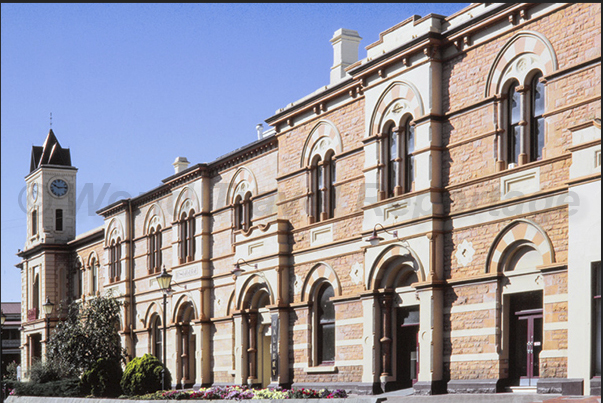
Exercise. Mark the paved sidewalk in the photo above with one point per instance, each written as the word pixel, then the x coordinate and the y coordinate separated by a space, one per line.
pixel 404 396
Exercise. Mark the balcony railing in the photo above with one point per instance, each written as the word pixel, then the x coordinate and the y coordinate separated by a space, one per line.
pixel 11 344
pixel 32 314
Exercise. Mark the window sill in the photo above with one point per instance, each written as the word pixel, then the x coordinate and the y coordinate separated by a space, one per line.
pixel 321 369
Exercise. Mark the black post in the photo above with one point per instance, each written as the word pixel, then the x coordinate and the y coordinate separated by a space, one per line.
pixel 164 342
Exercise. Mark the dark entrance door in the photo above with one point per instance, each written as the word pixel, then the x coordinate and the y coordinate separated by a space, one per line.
pixel 525 336
pixel 407 347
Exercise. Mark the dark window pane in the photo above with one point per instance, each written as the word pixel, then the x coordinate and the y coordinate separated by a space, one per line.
pixel 515 107
pixel 59 220
pixel 393 145
pixel 538 96
pixel 327 335
pixel 326 308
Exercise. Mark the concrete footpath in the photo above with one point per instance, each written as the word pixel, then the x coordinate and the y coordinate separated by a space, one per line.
pixel 392 397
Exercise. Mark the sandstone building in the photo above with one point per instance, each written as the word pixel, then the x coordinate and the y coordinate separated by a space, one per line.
pixel 431 219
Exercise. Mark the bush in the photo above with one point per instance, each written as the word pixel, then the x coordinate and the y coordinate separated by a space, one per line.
pixel 143 375
pixel 11 371
pixel 103 379
pixel 62 388
pixel 43 372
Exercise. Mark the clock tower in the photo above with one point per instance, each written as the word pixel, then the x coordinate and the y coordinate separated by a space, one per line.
pixel 51 204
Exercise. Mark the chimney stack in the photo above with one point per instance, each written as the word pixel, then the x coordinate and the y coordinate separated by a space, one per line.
pixel 345 52
pixel 180 164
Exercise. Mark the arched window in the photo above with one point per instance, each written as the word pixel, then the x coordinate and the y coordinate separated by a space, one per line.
pixel 187 237
pixel 115 260
pixel 399 161
pixel 514 128
pixel 154 253
pixel 524 127
pixel 35 298
pixel 536 118
pixel 325 322
pixel 156 337
pixel 409 159
pixel 243 212
pixel 79 286
pixel 323 177
pixel 94 272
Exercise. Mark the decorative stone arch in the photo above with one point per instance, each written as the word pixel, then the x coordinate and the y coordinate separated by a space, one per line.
pixel 323 137
pixel 186 201
pixel 230 307
pixel 153 309
pixel 115 230
pixel 79 262
pixel 518 231
pixel 525 52
pixel 153 218
pixel 399 99
pixel 250 288
pixel 242 181
pixel 380 272
pixel 320 273
pixel 184 301
pixel 92 255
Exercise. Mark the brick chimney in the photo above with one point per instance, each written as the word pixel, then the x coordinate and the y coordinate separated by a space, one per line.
pixel 345 52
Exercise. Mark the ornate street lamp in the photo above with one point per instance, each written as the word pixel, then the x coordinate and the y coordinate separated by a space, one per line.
pixel 47 308
pixel 3 316
pixel 165 281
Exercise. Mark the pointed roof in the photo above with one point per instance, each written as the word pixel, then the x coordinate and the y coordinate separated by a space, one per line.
pixel 51 153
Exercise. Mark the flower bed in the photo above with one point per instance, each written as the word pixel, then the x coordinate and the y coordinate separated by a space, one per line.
pixel 244 393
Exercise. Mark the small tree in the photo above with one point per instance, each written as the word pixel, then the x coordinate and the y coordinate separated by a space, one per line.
pixel 88 333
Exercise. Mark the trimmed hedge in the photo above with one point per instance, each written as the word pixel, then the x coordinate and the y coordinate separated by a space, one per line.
pixel 62 388
pixel 143 375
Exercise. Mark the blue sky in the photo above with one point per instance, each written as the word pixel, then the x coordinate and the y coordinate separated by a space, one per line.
pixel 133 86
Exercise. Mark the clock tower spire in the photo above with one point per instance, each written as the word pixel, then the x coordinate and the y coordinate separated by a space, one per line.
pixel 51 189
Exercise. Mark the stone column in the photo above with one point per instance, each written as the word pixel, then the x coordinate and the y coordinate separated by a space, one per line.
pixel 252 320
pixel 523 122
pixel 386 340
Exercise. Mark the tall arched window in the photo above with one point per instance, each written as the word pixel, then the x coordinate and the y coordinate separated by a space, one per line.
pixel 243 212
pixel 325 321
pixel 409 159
pixel 394 161
pixel 536 118
pixel 187 237
pixel 115 260
pixel 155 260
pixel 79 286
pixel 524 127
pixel 514 128
pixel 94 272
pixel 399 161
pixel 323 176
pixel 156 337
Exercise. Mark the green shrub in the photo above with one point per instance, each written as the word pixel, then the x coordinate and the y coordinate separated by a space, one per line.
pixel 143 375
pixel 103 379
pixel 11 371
pixel 44 371
pixel 62 388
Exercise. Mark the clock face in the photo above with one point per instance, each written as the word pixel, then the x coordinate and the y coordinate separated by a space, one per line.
pixel 58 187
pixel 34 191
